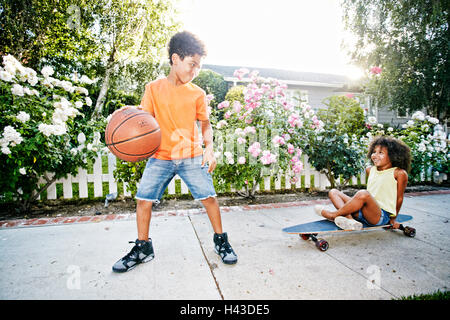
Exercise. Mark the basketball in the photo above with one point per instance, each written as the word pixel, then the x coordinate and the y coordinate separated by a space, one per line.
pixel 132 134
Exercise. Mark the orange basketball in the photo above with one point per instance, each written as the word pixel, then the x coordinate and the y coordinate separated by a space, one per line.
pixel 132 134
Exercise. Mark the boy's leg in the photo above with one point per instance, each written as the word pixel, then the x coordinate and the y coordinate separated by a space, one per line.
pixel 212 209
pixel 154 181
pixel 143 216
pixel 200 183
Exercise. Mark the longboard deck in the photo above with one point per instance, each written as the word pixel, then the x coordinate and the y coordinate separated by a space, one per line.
pixel 326 226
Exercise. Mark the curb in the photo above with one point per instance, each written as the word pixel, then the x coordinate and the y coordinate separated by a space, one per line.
pixel 36 222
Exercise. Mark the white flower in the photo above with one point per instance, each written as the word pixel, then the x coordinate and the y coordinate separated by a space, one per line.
pixel 78 104
pixel 81 90
pixel 85 79
pixel 10 135
pixel 49 129
pixel 81 138
pixel 17 90
pixel 88 101
pixel 390 129
pixel 6 150
pixel 372 120
pixel 47 71
pixel 433 120
pixel 23 116
pixel 45 129
pixel 6 76
pixel 22 171
pixel 418 115
pixel 66 85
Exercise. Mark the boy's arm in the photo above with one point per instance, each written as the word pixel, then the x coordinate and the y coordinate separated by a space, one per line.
pixel 208 155
pixel 402 180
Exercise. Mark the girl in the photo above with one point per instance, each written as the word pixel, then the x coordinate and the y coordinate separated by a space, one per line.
pixel 381 202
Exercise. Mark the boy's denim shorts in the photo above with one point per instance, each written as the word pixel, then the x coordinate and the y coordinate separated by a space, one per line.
pixel 158 174
pixel 384 219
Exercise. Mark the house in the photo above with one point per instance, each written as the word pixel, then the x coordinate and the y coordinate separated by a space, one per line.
pixel 313 88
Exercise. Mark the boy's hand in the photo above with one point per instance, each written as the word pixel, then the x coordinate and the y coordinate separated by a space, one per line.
pixel 208 156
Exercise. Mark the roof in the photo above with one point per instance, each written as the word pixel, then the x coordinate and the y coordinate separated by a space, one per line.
pixel 290 77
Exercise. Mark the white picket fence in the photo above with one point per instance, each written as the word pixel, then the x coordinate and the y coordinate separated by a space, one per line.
pixel 98 177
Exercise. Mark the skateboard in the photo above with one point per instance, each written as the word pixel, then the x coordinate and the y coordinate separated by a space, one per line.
pixel 310 230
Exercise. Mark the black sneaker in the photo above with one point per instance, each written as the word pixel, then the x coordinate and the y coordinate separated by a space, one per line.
pixel 141 252
pixel 223 248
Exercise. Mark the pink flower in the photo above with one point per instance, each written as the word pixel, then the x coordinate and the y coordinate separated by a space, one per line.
pixel 297 167
pixel 241 160
pixel 350 95
pixel 294 120
pixel 268 158
pixel 375 70
pixel 223 104
pixel 227 115
pixel 241 140
pixel 209 98
pixel 250 130
pixel 291 148
pixel 240 73
pixel 277 141
pixel 255 149
pixel 237 106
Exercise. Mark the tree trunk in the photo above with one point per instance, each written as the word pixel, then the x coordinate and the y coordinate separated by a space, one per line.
pixel 102 95
pixel 105 85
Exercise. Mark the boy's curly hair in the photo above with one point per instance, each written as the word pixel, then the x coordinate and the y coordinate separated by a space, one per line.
pixel 398 152
pixel 186 44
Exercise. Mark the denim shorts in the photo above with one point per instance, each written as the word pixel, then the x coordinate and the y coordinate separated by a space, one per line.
pixel 158 174
pixel 384 219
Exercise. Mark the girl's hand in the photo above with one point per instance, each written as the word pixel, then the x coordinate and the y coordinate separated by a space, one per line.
pixel 394 224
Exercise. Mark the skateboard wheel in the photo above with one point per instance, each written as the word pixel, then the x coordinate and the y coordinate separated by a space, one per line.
pixel 304 236
pixel 322 245
pixel 410 232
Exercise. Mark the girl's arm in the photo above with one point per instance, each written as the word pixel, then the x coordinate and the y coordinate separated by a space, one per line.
pixel 402 180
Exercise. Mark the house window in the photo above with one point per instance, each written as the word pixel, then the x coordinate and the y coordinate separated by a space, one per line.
pixel 402 114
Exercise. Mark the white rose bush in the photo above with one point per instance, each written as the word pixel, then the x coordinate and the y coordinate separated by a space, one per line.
pixel 43 132
pixel 428 143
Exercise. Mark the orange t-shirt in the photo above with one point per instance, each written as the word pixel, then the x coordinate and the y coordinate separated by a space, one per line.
pixel 176 109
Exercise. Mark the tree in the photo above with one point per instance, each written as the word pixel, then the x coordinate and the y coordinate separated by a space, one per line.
pixel 213 83
pixel 409 40
pixel 130 32
pixel 47 32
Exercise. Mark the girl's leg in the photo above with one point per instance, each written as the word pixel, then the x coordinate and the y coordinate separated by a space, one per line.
pixel 361 200
pixel 339 199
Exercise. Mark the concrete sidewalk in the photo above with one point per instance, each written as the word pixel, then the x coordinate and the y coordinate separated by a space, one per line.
pixel 73 261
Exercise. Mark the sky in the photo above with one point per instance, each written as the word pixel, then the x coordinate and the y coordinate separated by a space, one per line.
pixel 300 35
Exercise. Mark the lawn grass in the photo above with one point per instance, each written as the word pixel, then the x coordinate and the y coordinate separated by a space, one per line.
pixel 437 295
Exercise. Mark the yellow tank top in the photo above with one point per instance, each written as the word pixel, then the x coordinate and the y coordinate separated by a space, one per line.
pixel 383 187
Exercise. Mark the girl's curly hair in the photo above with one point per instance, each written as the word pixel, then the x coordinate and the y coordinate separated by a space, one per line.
pixel 398 152
pixel 186 44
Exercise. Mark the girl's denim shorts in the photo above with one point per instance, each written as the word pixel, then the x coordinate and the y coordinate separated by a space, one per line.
pixel 384 219
pixel 158 174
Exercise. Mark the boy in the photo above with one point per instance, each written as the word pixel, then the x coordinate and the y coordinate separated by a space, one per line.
pixel 177 104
